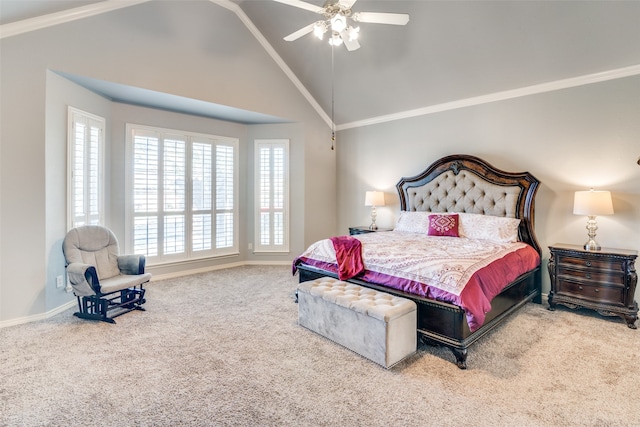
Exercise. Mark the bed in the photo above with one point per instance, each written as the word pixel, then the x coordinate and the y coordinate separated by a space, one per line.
pixel 471 192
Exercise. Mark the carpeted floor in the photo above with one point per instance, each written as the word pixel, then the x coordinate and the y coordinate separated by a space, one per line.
pixel 224 349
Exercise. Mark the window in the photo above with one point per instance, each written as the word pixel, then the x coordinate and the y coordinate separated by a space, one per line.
pixel 182 194
pixel 85 148
pixel 272 195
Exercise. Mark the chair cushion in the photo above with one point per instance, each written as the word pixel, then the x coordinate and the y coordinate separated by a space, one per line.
pixel 123 281
pixel 95 245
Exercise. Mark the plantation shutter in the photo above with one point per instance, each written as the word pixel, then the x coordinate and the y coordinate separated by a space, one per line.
pixel 272 200
pixel 225 199
pixel 86 183
pixel 146 193
pixel 184 194
pixel 202 181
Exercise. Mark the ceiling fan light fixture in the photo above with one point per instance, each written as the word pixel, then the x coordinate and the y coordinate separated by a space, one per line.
pixel 353 33
pixel 335 39
pixel 338 23
pixel 337 18
pixel 319 29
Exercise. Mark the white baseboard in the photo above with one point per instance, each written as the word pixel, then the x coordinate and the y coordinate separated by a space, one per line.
pixel 215 268
pixel 36 317
pixel 66 306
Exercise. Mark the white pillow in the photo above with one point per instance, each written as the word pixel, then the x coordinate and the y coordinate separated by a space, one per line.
pixel 488 227
pixel 413 222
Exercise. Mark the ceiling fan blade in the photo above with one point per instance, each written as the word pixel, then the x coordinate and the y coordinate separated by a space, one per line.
pixel 381 18
pixel 348 43
pixel 301 32
pixel 347 3
pixel 302 5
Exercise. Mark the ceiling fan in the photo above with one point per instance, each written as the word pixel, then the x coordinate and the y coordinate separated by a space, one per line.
pixel 336 20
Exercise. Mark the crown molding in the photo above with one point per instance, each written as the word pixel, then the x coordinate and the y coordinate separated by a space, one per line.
pixel 44 21
pixel 587 79
pixel 32 24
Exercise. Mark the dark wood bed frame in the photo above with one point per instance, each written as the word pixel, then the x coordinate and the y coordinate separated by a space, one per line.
pixel 443 323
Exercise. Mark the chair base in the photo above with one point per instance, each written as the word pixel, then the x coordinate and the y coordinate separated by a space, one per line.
pixel 106 307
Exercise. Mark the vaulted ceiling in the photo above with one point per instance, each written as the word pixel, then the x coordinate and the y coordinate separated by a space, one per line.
pixel 450 51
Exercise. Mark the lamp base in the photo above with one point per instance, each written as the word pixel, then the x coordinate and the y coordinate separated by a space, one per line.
pixel 591 245
pixel 592 227
pixel 373 225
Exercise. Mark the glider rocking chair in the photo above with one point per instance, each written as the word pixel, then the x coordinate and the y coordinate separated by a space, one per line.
pixel 105 283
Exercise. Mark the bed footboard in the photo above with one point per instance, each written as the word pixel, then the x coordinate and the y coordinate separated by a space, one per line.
pixel 441 323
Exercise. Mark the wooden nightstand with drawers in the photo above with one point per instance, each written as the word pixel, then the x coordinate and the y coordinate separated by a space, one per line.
pixel 603 280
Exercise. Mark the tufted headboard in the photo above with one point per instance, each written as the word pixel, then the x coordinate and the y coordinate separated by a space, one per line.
pixel 462 183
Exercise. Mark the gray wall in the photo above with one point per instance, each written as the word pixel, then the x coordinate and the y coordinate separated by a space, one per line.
pixel 191 49
pixel 570 139
pixel 60 93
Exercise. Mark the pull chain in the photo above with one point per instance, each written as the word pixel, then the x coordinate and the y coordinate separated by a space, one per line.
pixel 333 126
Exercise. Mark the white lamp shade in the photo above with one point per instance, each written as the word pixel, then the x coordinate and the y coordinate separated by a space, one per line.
pixel 592 203
pixel 374 198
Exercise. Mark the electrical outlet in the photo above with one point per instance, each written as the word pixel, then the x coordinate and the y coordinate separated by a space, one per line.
pixel 250 246
pixel 59 282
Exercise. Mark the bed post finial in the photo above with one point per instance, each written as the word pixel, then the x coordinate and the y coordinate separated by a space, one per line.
pixel 456 166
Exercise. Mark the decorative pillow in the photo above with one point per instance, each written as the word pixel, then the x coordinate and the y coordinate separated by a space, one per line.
pixel 443 225
pixel 488 227
pixel 413 222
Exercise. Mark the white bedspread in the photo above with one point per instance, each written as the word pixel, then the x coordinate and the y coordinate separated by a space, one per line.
pixel 446 263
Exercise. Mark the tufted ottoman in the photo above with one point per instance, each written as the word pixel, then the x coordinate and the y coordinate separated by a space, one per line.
pixel 376 325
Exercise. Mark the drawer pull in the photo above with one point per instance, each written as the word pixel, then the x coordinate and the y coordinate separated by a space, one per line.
pixel 580 287
pixel 588 263
pixel 597 290
pixel 588 275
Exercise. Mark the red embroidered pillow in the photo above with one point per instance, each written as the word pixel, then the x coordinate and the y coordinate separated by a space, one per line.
pixel 443 225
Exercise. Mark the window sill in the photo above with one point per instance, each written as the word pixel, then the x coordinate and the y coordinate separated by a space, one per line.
pixel 187 261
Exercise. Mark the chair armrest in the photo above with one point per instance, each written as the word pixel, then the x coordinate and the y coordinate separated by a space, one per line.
pixel 83 278
pixel 131 264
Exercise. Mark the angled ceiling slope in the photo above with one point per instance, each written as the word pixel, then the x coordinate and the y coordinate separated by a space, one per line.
pixel 32 15
pixel 450 55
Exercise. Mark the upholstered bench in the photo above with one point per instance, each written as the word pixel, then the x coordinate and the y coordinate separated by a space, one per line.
pixel 376 325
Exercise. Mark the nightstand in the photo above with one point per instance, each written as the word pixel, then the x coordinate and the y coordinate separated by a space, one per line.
pixel 365 229
pixel 603 280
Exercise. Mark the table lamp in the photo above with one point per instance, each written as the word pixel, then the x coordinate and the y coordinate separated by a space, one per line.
pixel 592 203
pixel 373 199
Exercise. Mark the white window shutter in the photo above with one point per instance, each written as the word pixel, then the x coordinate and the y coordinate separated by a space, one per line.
pixel 86 164
pixel 272 196
pixel 184 194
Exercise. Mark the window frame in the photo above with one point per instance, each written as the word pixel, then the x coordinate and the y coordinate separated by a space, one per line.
pixel 74 116
pixel 271 247
pixel 189 212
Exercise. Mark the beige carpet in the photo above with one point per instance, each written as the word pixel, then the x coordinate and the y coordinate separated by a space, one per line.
pixel 224 348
